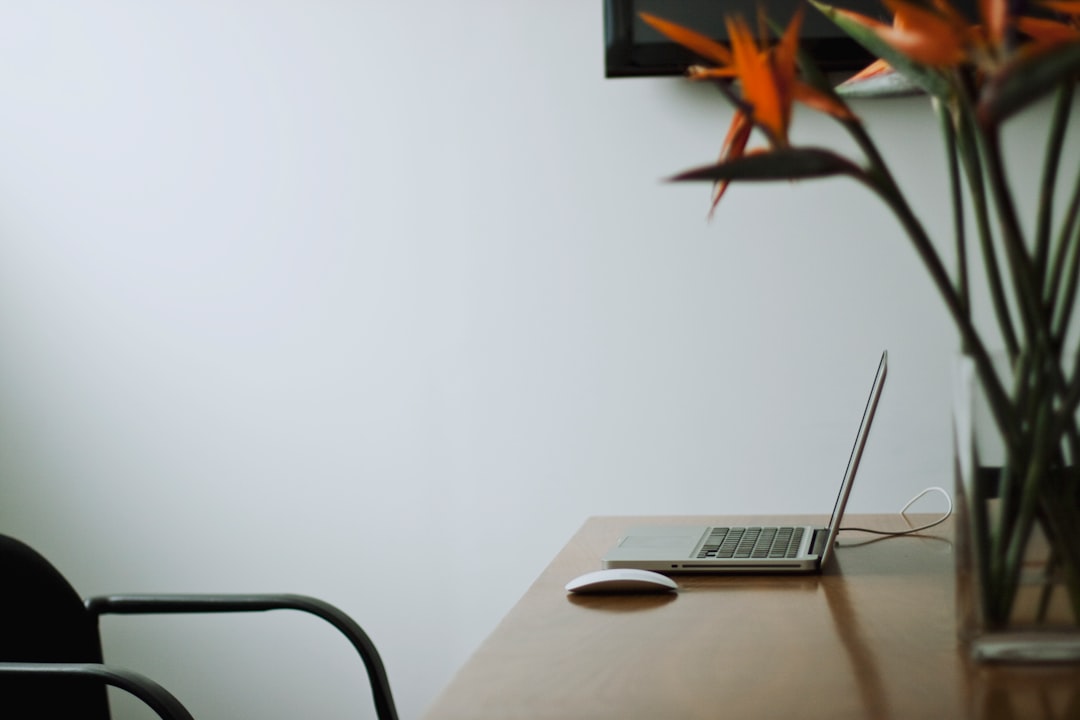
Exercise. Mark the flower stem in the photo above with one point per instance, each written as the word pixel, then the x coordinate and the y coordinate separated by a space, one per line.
pixel 969 154
pixel 948 132
pixel 1023 274
pixel 880 180
pixel 1058 125
pixel 1066 265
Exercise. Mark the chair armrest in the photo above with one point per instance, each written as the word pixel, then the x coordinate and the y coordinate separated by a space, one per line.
pixel 154 695
pixel 176 604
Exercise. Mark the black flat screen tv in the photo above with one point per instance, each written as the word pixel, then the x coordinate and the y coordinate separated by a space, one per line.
pixel 633 49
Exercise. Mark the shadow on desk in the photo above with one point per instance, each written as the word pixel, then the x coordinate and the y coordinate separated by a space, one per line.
pixel 748 583
pixel 623 603
pixel 1017 693
pixel 994 692
pixel 905 555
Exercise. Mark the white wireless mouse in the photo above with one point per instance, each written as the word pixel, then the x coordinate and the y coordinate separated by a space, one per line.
pixel 621 580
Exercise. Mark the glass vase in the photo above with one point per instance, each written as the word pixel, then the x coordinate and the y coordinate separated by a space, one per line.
pixel 1017 507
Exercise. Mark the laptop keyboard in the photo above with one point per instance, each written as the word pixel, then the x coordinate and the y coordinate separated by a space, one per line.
pixel 752 542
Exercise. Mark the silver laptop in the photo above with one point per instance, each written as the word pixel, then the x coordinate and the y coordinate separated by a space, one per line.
pixel 759 549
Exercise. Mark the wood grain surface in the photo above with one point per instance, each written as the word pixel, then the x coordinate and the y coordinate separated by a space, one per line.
pixel 874 636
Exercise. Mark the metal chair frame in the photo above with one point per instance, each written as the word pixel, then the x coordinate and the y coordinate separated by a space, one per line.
pixel 166 705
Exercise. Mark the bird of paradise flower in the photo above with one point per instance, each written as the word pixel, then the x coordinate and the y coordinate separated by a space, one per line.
pixel 978 75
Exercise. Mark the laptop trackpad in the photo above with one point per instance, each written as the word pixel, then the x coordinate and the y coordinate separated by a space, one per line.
pixel 654 542
pixel 663 537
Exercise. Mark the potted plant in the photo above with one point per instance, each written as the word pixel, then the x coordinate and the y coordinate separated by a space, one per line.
pixel 1017 436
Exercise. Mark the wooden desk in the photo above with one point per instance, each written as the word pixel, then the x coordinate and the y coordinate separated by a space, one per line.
pixel 872 637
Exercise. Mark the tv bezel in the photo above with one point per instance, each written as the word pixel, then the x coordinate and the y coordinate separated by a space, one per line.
pixel 625 56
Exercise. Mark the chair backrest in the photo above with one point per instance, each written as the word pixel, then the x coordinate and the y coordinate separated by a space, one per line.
pixel 43 619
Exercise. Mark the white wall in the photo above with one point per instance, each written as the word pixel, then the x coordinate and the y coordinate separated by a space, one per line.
pixel 284 283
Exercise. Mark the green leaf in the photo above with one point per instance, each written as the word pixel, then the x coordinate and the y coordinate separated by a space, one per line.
pixel 1027 79
pixel 929 79
pixel 784 164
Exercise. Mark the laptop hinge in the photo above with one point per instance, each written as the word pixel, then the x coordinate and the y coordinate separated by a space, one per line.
pixel 817 545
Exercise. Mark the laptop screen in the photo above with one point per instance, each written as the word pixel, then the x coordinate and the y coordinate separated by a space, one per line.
pixel 856 455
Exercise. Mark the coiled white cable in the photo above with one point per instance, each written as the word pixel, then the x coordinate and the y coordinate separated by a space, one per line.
pixel 912 501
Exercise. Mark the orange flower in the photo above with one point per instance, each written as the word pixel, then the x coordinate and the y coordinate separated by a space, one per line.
pixel 875 69
pixel 734 147
pixel 1047 32
pixel 1043 31
pixel 767 76
pixel 695 41
pixel 937 35
pixel 995 18
pixel 927 36
pixel 764 81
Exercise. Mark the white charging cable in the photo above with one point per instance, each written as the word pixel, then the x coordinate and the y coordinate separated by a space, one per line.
pixel 912 501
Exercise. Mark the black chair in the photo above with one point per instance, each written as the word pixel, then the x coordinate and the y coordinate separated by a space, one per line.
pixel 50 644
